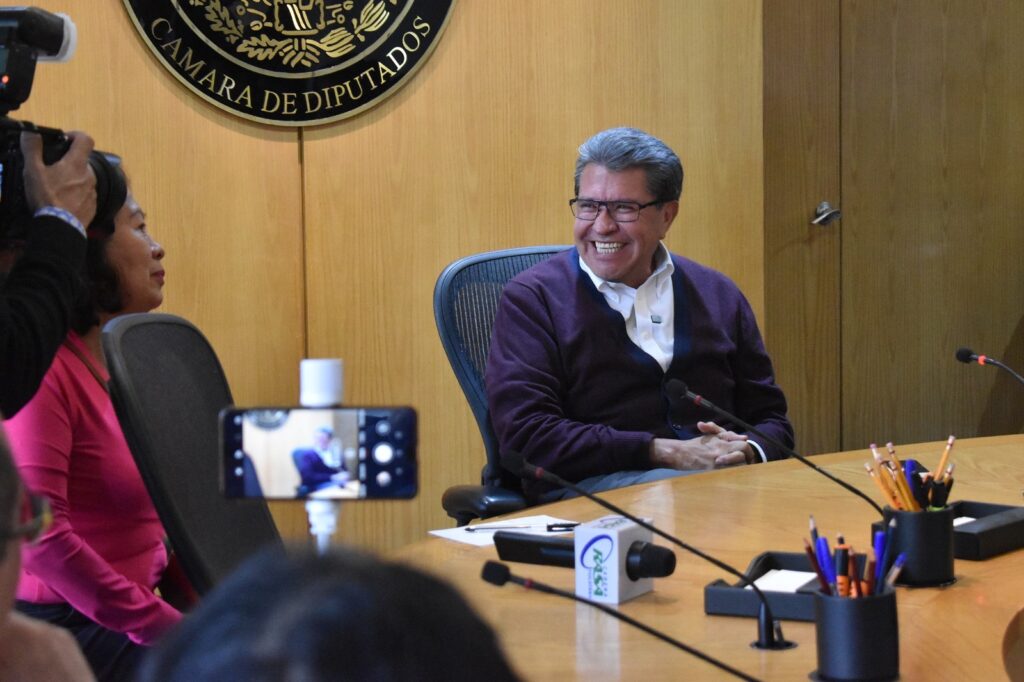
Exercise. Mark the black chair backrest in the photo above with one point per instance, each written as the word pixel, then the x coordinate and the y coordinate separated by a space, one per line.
pixel 168 389
pixel 466 300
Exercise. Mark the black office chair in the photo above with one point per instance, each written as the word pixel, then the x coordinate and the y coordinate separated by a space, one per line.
pixel 168 388
pixel 465 302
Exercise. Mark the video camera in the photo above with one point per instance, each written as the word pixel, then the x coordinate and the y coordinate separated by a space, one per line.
pixel 27 35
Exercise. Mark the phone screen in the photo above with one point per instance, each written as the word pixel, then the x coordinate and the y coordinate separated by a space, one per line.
pixel 319 453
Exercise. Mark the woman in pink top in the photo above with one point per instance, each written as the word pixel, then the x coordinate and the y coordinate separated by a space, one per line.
pixel 95 570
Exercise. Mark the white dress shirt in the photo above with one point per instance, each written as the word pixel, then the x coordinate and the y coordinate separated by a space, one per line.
pixel 649 310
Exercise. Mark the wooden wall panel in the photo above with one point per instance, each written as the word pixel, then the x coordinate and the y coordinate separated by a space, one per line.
pixel 933 135
pixel 801 155
pixel 476 153
pixel 221 195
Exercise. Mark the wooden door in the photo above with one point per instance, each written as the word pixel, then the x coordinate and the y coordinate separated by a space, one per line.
pixel 933 217
pixel 801 153
pixel 909 116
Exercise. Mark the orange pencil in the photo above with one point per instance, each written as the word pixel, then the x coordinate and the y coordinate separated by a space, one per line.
pixel 869 584
pixel 855 590
pixel 842 572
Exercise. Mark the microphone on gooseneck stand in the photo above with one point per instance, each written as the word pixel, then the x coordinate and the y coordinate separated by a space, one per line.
pixel 968 356
pixel 499 574
pixel 769 630
pixel 677 389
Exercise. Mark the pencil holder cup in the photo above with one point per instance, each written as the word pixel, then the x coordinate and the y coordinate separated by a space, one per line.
pixel 858 639
pixel 926 538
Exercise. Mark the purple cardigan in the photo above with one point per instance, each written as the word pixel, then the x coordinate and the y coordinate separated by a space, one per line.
pixel 568 389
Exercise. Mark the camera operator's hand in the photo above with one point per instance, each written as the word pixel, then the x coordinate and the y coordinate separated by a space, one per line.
pixel 68 184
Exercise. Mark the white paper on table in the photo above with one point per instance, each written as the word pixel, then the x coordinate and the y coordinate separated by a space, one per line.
pixel 532 525
pixel 783 580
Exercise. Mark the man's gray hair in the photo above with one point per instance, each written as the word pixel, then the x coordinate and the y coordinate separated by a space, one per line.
pixel 619 149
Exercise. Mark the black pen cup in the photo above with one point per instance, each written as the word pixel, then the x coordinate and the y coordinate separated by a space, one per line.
pixel 926 538
pixel 858 639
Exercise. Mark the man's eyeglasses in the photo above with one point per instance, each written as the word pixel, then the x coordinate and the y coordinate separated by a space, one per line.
pixel 33 519
pixel 620 211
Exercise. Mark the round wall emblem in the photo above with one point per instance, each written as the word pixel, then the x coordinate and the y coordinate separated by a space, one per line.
pixel 291 62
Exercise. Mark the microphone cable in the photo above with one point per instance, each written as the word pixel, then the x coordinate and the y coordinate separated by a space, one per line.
pixel 769 630
pixel 678 388
pixel 498 574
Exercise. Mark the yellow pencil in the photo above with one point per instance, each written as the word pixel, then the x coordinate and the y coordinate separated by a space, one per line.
pixel 894 483
pixel 876 454
pixel 886 478
pixel 901 481
pixel 940 470
pixel 886 493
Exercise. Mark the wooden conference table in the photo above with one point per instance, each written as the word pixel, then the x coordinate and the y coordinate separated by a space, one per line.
pixel 961 632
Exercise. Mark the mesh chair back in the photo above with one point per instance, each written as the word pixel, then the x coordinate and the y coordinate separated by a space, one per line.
pixel 466 300
pixel 168 388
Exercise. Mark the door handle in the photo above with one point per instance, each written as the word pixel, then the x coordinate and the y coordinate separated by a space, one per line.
pixel 825 214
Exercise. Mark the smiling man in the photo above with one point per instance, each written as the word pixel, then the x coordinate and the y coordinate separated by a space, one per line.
pixel 585 342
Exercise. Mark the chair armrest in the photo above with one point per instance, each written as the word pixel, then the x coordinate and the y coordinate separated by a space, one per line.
pixel 467 502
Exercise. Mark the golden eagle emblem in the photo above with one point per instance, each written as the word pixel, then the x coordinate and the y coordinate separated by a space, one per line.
pixel 293 34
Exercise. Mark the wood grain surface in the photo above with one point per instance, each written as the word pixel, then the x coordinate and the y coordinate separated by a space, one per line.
pixel 951 633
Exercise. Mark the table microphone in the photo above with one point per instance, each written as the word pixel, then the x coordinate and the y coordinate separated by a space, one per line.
pixel 968 356
pixel 677 388
pixel 499 574
pixel 642 560
pixel 769 630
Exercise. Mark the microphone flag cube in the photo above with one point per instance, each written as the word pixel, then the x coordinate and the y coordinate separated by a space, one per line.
pixel 601 550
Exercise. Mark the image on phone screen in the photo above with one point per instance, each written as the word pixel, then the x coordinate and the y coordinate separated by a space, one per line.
pixel 319 453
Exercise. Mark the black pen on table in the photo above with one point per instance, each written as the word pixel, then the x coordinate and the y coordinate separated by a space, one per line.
pixel 551 527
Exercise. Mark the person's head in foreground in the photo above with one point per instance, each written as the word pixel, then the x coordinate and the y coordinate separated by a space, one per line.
pixel 340 616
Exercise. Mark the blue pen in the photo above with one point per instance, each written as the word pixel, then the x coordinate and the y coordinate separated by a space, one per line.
pixel 894 572
pixel 826 562
pixel 913 482
pixel 879 546
pixel 888 544
pixel 822 557
pixel 912 472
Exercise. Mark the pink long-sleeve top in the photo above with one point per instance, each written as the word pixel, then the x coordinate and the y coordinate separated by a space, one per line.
pixel 104 553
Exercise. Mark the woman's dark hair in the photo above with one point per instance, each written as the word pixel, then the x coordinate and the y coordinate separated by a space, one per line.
pixel 341 616
pixel 102 292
